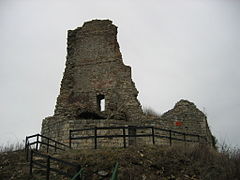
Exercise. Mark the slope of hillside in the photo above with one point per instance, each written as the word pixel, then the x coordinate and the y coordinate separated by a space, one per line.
pixel 143 163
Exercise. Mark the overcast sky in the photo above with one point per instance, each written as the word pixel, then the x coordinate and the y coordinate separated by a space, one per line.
pixel 178 49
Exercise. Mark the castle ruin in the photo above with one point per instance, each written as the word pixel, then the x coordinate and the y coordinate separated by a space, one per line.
pixel 97 90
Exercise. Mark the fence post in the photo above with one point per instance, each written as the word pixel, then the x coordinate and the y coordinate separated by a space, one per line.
pixel 37 142
pixel 47 145
pixel 153 135
pixel 70 138
pixel 31 164
pixel 48 167
pixel 170 137
pixel 27 151
pixel 124 137
pixel 132 135
pixel 26 140
pixel 95 137
pixel 198 138
pixel 115 172
pixel 55 147
pixel 184 137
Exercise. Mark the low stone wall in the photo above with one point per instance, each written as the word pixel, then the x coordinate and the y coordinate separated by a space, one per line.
pixel 51 126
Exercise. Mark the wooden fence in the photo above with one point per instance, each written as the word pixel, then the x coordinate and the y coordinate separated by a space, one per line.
pixel 153 133
pixel 34 142
pixel 46 164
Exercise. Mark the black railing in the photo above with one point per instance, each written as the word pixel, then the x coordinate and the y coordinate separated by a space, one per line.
pixel 34 142
pixel 153 133
pixel 47 161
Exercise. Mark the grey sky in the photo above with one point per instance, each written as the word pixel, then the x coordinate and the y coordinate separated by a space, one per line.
pixel 179 49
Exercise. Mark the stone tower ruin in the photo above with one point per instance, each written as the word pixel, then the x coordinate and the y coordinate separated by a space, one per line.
pixel 96 83
pixel 97 89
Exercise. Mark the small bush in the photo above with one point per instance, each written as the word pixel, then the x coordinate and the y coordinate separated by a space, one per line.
pixel 150 112
pixel 9 147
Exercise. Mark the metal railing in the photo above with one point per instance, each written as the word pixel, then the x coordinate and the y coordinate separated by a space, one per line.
pixel 153 133
pixel 78 175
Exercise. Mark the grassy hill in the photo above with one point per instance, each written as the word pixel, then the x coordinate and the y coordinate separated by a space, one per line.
pixel 136 163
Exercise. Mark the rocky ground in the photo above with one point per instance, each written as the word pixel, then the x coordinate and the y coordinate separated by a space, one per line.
pixel 135 163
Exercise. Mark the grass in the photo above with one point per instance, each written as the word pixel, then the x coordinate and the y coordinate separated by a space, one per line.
pixel 153 162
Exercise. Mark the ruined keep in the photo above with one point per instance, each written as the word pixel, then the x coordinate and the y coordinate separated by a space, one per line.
pixel 95 73
pixel 97 90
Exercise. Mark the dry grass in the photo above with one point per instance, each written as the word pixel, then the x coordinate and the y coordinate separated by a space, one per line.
pixel 153 162
pixel 148 111
pixel 9 147
pixel 195 162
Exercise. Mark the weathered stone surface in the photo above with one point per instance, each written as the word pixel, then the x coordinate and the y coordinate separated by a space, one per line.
pixel 94 69
pixel 186 117
pixel 95 72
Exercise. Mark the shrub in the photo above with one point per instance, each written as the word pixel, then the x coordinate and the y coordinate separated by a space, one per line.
pixel 9 147
pixel 148 111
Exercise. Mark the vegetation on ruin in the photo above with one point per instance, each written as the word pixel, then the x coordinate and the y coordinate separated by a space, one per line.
pixel 148 111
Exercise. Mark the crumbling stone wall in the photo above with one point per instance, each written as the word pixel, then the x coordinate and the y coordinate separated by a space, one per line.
pixel 94 73
pixel 186 117
pixel 94 69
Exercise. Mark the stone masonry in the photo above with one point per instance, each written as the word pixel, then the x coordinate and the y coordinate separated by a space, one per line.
pixel 95 71
pixel 97 90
